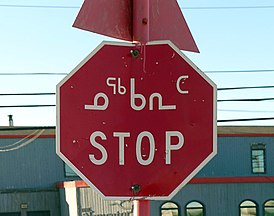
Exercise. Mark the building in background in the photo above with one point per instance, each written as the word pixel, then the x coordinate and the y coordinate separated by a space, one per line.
pixel 34 181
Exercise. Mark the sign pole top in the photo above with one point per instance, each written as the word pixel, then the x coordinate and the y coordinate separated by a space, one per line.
pixel 140 20
pixel 137 20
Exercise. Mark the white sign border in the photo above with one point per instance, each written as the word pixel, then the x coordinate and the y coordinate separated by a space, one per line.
pixel 193 173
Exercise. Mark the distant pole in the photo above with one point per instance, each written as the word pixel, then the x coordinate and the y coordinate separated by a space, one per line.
pixel 10 120
pixel 141 20
pixel 141 208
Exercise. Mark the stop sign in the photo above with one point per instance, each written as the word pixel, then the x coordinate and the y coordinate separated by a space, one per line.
pixel 136 120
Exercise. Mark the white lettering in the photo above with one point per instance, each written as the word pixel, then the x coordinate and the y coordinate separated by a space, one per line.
pixel 139 148
pixel 121 136
pixel 121 89
pixel 112 84
pixel 99 147
pixel 170 147
pixel 134 96
pixel 96 105
pixel 160 103
pixel 142 99
pixel 184 77
pixel 174 141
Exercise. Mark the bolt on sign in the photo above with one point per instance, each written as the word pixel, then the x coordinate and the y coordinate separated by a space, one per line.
pixel 136 120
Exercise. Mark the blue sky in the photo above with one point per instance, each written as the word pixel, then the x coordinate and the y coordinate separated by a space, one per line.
pixel 42 40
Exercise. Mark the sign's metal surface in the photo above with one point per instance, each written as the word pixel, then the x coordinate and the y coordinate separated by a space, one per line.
pixel 136 120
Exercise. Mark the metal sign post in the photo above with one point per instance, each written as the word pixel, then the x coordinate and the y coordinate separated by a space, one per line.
pixel 140 15
pixel 140 29
pixel 141 208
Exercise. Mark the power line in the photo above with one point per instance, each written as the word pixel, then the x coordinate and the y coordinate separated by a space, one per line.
pixel 240 71
pixel 219 89
pixel 26 94
pixel 28 106
pixel 30 74
pixel 40 6
pixel 207 71
pixel 225 100
pixel 184 8
pixel 245 87
pixel 246 100
pixel 223 120
pixel 249 119
pixel 245 111
pixel 228 7
pixel 219 110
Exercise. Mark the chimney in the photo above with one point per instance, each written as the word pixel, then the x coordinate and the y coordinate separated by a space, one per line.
pixel 10 120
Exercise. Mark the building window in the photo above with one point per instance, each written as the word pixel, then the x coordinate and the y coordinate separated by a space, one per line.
pixel 269 208
pixel 248 208
pixel 195 209
pixel 170 209
pixel 258 158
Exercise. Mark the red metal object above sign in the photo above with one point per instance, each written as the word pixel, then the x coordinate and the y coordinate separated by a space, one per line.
pixel 137 20
pixel 136 120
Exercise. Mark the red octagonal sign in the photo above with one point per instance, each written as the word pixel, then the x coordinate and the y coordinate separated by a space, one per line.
pixel 136 120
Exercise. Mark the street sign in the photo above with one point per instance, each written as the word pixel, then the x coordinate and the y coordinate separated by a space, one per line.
pixel 136 120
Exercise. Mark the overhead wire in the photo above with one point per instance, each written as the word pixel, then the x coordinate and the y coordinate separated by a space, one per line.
pixel 206 71
pixel 245 111
pixel 27 106
pixel 184 8
pixel 229 7
pixel 23 142
pixel 246 100
pixel 240 71
pixel 219 100
pixel 226 100
pixel 26 94
pixel 244 87
pixel 218 89
pixel 31 74
pixel 248 119
pixel 219 121
pixel 39 6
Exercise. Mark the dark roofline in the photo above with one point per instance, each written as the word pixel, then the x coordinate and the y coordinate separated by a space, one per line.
pixel 14 128
pixel 222 130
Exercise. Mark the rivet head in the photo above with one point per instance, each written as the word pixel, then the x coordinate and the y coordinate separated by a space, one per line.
pixel 136 188
pixel 134 53
pixel 144 21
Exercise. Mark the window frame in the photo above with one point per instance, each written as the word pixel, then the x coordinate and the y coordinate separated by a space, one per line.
pixel 264 207
pixel 256 147
pixel 255 203
pixel 178 207
pixel 197 201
